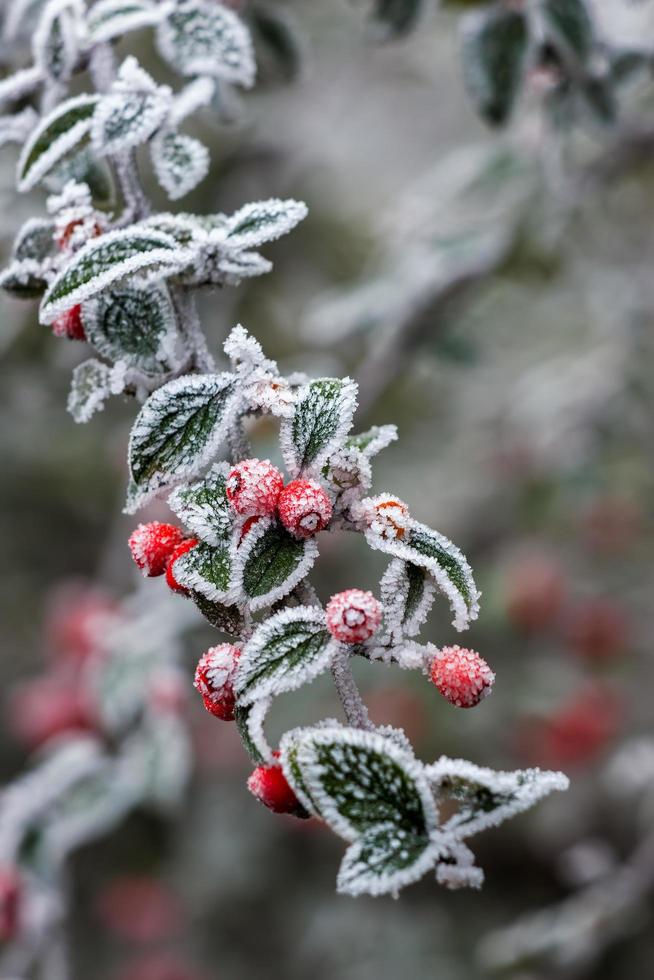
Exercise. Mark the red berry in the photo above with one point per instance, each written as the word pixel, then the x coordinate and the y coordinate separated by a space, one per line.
pixel 304 508
pixel 253 487
pixel 385 515
pixel 44 708
pixel 63 239
pixel 462 676
pixel 214 679
pixel 69 324
pixel 270 786
pixel 247 526
pixel 597 629
pixel 11 891
pixel 535 591
pixel 353 616
pixel 76 620
pixel 152 545
pixel 180 550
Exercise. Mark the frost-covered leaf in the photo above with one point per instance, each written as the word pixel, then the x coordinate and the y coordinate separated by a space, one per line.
pixel 56 40
pixel 321 419
pixel 248 718
pixel 384 859
pixel 90 388
pixel 373 440
pixel 395 17
pixel 263 221
pixel 204 507
pixel 226 618
pixel 178 430
pixel 63 130
pixel 494 49
pixel 180 162
pixel 269 563
pixel 133 109
pixel 407 594
pixel 114 18
pixel 206 569
pixel 372 792
pixel 24 279
pixel 290 649
pixel 20 84
pixel 35 240
pixel 243 265
pixel 447 565
pixel 20 18
pixel 134 323
pixel 199 37
pixel 487 797
pixel 571 23
pixel 160 759
pixel 107 259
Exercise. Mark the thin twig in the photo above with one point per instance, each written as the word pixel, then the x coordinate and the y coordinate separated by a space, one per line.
pixel 348 692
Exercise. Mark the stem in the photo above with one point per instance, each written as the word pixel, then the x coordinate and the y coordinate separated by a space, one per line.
pixel 346 687
pixel 191 327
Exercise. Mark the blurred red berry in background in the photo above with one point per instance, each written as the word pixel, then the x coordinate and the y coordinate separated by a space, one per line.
pixel 42 709
pixel 534 592
pixel 75 614
pixel 596 629
pixel 140 908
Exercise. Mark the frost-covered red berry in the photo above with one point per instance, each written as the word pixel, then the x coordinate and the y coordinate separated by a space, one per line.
pixel 253 487
pixel 11 891
pixel 180 550
pixel 353 616
pixel 462 676
pixel 270 786
pixel 304 508
pixel 69 324
pixel 152 545
pixel 214 679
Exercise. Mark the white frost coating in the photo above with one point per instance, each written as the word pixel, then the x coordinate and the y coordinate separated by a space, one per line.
pixel 516 792
pixel 350 474
pixel 189 574
pixel 275 645
pixel 459 871
pixel 381 436
pixel 115 18
pixel 255 725
pixel 313 772
pixel 90 388
pixel 166 255
pixel 200 37
pixel 355 877
pixel 245 352
pixel 241 554
pixel 19 84
pixel 196 95
pixel 243 265
pixel 57 148
pixel 133 109
pixel 194 456
pixel 56 40
pixel 399 620
pixel 329 402
pixel 263 221
pixel 180 162
pixel 464 611
pixel 206 519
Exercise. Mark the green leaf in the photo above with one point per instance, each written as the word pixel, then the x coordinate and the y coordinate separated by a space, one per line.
pixel 206 570
pixel 263 221
pixel 435 553
pixel 200 37
pixel 180 162
pixel 407 594
pixel 571 23
pixel 241 717
pixel 107 259
pixel 373 440
pixel 270 563
pixel 55 43
pixel 384 859
pixel 204 506
pixel 321 419
pixel 290 649
pixel 487 797
pixel 228 619
pixel 178 430
pixel 64 130
pixel 134 323
pixel 494 50
pixel 90 388
pixel 23 279
pixel 110 19
pixel 133 109
pixel 35 240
